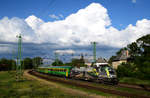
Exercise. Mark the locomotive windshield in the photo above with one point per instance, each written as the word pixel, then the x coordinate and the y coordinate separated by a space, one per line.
pixel 104 67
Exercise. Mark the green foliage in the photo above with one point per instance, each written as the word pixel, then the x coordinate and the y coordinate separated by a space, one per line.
pixel 111 59
pixel 27 63
pixel 139 66
pixel 78 62
pixel 126 70
pixel 37 61
pixel 68 64
pixel 6 64
pixel 144 44
pixel 133 49
pixel 119 52
pixel 57 63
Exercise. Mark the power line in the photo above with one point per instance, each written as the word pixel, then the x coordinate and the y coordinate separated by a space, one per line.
pixel 44 11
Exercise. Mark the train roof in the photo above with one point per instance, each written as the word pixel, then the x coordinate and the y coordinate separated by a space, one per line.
pixel 57 67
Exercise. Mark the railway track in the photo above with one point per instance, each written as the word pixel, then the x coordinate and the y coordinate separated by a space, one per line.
pixel 135 86
pixel 88 85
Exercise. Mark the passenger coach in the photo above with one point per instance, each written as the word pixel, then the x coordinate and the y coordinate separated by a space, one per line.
pixel 56 70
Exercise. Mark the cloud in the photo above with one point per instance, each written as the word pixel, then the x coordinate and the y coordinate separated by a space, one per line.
pixel 10 28
pixel 34 22
pixel 54 16
pixel 133 1
pixel 64 51
pixel 61 16
pixel 89 24
pixel 6 48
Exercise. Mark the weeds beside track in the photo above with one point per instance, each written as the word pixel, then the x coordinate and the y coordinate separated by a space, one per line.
pixel 86 85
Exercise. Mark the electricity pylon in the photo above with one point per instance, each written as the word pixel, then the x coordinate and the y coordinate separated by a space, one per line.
pixel 19 67
pixel 56 58
pixel 94 51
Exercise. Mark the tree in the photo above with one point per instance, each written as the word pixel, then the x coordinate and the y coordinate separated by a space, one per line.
pixel 120 51
pixel 140 65
pixel 81 60
pixel 57 63
pixel 75 62
pixel 134 50
pixel 37 61
pixel 6 64
pixel 111 59
pixel 78 62
pixel 143 61
pixel 27 63
pixel 144 45
pixel 127 70
pixel 68 64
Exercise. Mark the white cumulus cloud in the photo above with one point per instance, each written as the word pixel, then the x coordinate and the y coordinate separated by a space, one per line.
pixel 54 16
pixel 10 28
pixel 89 24
pixel 64 51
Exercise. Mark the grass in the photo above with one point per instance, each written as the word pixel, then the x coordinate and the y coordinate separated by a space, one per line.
pixel 90 91
pixel 9 88
pixel 124 89
pixel 134 81
pixel 134 91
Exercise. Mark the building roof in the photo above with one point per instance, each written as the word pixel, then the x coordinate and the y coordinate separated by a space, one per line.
pixel 101 60
pixel 122 56
pixel 86 61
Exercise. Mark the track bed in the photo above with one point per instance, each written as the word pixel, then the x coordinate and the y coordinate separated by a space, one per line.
pixel 89 85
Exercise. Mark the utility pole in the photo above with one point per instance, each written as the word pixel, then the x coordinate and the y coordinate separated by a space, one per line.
pixel 56 58
pixel 94 52
pixel 19 67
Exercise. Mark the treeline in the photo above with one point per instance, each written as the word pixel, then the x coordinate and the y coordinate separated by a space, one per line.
pixel 74 62
pixel 27 63
pixel 139 64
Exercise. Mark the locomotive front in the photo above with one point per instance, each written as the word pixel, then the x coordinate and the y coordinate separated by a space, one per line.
pixel 107 74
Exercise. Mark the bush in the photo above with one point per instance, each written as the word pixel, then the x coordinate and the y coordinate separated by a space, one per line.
pixel 132 70
pixel 126 70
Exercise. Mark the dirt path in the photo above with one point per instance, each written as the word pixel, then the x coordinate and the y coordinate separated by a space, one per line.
pixel 63 88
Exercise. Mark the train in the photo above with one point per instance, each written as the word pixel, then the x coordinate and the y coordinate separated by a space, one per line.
pixel 102 74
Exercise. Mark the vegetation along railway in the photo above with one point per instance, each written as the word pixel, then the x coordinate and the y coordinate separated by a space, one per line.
pixel 71 76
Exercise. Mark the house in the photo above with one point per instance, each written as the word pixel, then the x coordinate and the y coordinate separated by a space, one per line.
pixel 121 58
pixel 101 61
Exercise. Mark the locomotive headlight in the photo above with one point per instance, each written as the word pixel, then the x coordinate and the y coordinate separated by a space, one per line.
pixel 112 76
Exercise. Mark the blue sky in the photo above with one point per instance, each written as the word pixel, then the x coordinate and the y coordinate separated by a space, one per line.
pixel 121 12
pixel 72 25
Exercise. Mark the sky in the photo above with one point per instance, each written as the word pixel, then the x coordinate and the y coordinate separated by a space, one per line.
pixel 69 26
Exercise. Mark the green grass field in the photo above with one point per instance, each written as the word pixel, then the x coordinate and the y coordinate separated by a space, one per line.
pixel 9 88
pixel 124 89
pixel 134 81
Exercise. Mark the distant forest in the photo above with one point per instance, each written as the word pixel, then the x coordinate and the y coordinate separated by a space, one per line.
pixel 27 63
pixel 31 63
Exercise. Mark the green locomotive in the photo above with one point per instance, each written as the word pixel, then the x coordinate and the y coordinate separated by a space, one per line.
pixel 56 70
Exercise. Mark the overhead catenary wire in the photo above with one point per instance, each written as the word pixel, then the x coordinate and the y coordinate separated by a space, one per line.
pixel 45 10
